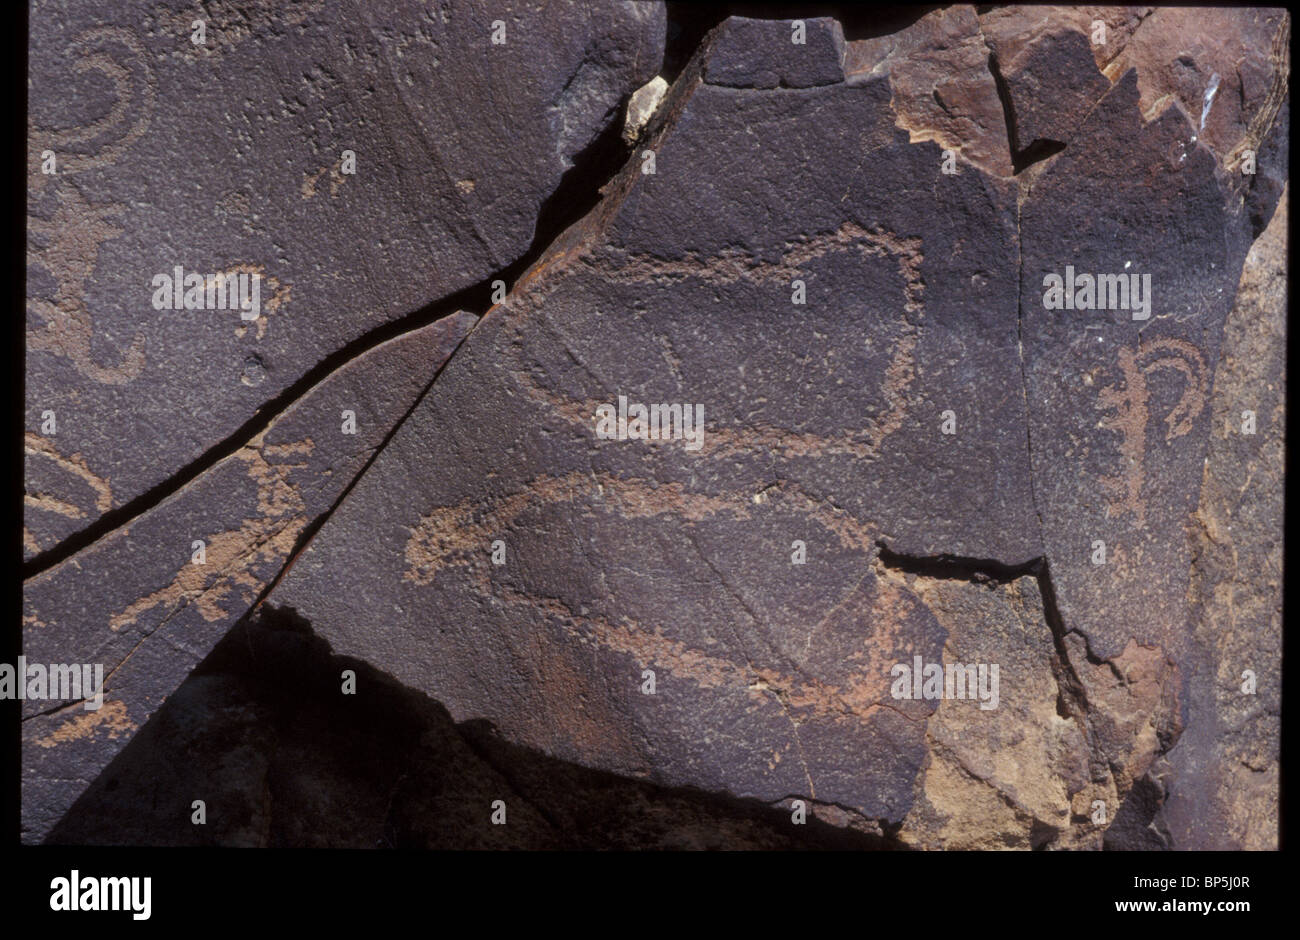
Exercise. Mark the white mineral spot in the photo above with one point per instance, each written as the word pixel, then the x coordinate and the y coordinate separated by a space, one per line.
pixel 641 106
pixel 1209 99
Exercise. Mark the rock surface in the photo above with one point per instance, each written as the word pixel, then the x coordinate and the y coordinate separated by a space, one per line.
pixel 751 53
pixel 363 163
pixel 261 735
pixel 896 445
pixel 746 701
pixel 147 602
pixel 1231 747
pixel 943 89
pixel 680 561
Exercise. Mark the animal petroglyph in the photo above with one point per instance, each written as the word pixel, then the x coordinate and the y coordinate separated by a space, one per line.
pixel 279 294
pixel 111 719
pixel 731 264
pixel 456 536
pixel 232 555
pixel 36 446
pixel 1129 398
pixel 72 237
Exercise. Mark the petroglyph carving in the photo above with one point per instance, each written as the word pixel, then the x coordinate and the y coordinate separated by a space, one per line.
pixel 731 264
pixel 1129 398
pixel 455 535
pixel 67 244
pixel 107 138
pixel 36 446
pixel 71 250
pixel 232 555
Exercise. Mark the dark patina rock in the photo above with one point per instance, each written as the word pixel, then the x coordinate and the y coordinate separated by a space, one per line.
pixel 137 604
pixel 1223 775
pixel 752 53
pixel 895 448
pixel 1051 82
pixel 234 157
pixel 1118 402
pixel 260 733
pixel 823 425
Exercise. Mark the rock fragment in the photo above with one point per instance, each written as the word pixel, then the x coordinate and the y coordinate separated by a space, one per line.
pixel 1231 747
pixel 641 107
pixel 1225 69
pixel 1051 84
pixel 943 89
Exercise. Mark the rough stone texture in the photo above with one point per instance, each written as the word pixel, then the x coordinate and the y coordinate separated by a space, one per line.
pixel 1179 52
pixel 1010 28
pixel 1131 478
pixel 947 451
pixel 260 733
pixel 1225 69
pixel 942 87
pixel 750 53
pixel 551 645
pixel 521 642
pixel 1067 732
pixel 1051 83
pixel 228 157
pixel 1118 407
pixel 137 604
pixel 1231 745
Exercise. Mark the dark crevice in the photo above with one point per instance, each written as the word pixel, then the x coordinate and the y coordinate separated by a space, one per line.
pixel 309 532
pixel 956 567
pixel 1072 697
pixel 1037 152
pixel 579 191
pixel 1042 835
pixel 259 422
pixel 1072 700
pixel 688 24
pixel 1008 107
pixel 1138 825
pixel 866 21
